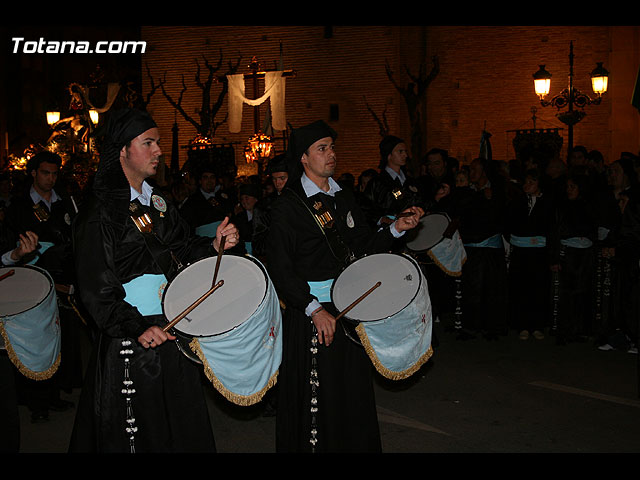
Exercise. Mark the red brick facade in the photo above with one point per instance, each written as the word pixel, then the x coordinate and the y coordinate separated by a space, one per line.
pixel 485 78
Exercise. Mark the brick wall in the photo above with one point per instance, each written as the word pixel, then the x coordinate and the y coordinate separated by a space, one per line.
pixel 485 79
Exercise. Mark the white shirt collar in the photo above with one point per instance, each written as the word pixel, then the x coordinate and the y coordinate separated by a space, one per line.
pixel 143 197
pixel 37 198
pixel 311 188
pixel 400 175
pixel 208 195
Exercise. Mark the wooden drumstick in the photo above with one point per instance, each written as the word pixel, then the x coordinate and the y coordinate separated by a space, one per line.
pixel 188 310
pixel 362 297
pixel 220 250
pixel 7 275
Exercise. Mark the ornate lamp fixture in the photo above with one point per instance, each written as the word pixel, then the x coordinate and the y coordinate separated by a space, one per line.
pixel 259 148
pixel 94 116
pixel 53 117
pixel 571 96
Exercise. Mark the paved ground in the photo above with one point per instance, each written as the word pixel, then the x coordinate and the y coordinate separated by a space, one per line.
pixel 474 396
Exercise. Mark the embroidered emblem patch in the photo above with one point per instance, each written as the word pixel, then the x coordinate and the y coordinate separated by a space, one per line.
pixel 159 203
pixel 350 222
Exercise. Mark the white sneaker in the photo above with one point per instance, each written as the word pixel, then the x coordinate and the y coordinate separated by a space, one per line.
pixel 633 350
pixel 524 335
pixel 606 347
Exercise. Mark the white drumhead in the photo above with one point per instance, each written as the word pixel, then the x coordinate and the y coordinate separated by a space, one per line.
pixel 23 290
pixel 428 233
pixel 243 291
pixel 400 279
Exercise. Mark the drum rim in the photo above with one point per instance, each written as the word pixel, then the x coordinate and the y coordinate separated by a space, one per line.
pixel 400 254
pixel 245 256
pixel 39 270
pixel 442 214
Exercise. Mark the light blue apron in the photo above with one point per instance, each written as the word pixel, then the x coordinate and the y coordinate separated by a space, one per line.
pixel 31 335
pixel 449 255
pixel 242 364
pixel 145 293
pixel 396 334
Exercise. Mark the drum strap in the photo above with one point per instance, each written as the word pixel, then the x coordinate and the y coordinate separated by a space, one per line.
pixel 323 215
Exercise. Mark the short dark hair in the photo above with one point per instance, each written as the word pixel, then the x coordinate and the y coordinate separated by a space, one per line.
pixel 42 157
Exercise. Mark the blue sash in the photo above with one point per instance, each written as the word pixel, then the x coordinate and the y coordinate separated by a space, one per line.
pixel 321 290
pixel 208 230
pixel 576 242
pixel 491 242
pixel 44 246
pixel 532 242
pixel 145 293
pixel 248 246
pixel 242 364
pixel 398 346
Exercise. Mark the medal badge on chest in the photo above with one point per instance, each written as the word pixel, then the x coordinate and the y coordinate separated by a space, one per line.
pixel 323 215
pixel 159 204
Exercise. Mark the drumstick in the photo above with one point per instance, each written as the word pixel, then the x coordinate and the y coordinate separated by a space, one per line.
pixel 188 310
pixel 220 250
pixel 8 274
pixel 364 295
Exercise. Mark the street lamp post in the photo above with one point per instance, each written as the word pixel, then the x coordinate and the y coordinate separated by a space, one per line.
pixel 571 97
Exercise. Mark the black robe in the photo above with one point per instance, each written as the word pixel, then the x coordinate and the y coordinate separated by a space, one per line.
pixel 529 273
pixel 297 253
pixel 168 405
pixel 198 211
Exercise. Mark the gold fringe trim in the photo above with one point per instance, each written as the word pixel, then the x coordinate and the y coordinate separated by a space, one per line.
pixel 242 400
pixel 445 269
pixel 385 372
pixel 45 375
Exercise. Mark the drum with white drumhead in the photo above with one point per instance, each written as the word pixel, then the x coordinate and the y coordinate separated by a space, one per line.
pixel 428 233
pixel 235 332
pixel 435 240
pixel 394 322
pixel 29 320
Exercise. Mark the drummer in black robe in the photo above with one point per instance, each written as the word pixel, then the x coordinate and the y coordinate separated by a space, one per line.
pixel 481 210
pixel 393 189
pixel 48 212
pixel 206 207
pixel 338 413
pixel 120 270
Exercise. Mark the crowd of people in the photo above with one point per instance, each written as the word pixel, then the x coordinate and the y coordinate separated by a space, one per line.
pixel 550 248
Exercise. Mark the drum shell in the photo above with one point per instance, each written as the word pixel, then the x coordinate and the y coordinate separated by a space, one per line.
pixel 242 358
pixel 397 343
pixel 30 321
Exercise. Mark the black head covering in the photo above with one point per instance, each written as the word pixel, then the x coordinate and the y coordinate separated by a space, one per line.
pixel 301 139
pixel 277 164
pixel 251 189
pixel 110 184
pixel 387 144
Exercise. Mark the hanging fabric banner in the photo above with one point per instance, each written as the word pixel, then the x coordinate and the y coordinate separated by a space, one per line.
pixel 274 88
